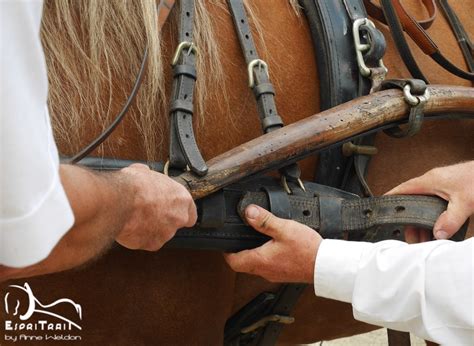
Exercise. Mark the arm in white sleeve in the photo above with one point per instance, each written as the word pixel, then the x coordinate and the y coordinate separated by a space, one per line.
pixel 34 210
pixel 425 288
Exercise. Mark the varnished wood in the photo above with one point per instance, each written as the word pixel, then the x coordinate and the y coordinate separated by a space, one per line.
pixel 302 138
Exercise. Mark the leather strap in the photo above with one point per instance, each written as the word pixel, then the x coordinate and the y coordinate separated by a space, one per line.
pixel 396 30
pixel 462 37
pixel 183 151
pixel 334 215
pixel 375 11
pixel 394 9
pixel 262 87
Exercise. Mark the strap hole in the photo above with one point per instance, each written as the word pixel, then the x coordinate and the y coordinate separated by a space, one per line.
pixel 270 111
pixel 367 212
pixel 188 14
pixel 242 21
pixel 397 233
pixel 184 116
pixel 251 52
pixel 307 212
pixel 187 34
pixel 187 136
pixel 400 209
pixel 185 96
pixel 247 36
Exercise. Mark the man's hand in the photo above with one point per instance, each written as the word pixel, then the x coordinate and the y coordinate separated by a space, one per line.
pixel 453 183
pixel 160 207
pixel 288 257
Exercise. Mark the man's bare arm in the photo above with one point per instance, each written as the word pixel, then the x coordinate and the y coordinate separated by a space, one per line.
pixel 140 208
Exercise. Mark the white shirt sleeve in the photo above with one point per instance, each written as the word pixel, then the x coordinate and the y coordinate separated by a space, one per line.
pixel 34 210
pixel 425 288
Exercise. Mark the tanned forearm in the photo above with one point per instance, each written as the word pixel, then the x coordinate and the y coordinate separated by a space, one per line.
pixel 101 203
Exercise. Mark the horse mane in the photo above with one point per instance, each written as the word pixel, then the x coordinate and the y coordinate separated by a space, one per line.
pixel 93 52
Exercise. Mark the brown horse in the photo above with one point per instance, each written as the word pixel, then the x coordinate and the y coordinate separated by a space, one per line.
pixel 181 296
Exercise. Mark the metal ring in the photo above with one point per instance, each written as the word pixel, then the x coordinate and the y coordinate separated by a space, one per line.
pixel 183 45
pixel 250 67
pixel 361 47
pixel 414 100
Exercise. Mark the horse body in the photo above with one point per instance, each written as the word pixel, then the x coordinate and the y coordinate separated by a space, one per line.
pixel 185 297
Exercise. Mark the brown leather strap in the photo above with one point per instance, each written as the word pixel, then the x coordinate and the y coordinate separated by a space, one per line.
pixel 414 30
pixel 376 12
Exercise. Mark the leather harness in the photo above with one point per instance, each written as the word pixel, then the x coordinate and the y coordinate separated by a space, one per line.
pixel 351 66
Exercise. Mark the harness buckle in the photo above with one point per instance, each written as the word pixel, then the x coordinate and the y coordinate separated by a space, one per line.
pixel 251 65
pixel 286 187
pixel 361 48
pixel 267 319
pixel 183 45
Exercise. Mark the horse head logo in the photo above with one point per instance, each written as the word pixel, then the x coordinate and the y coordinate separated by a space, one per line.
pixel 13 306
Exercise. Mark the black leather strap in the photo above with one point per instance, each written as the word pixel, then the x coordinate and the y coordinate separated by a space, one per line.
pixel 184 151
pixel 462 37
pixel 262 87
pixel 396 30
pixel 334 215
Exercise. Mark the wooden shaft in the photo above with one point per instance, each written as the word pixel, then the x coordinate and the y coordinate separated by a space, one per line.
pixel 302 138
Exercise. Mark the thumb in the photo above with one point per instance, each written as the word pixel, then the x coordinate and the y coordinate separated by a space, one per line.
pixel 450 221
pixel 264 221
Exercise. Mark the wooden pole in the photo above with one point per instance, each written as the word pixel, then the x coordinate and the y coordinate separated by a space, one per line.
pixel 300 139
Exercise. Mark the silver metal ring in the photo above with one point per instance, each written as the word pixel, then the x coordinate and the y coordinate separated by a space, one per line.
pixel 361 47
pixel 414 100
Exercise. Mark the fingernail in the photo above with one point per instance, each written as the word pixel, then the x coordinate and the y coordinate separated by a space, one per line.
pixel 252 212
pixel 441 235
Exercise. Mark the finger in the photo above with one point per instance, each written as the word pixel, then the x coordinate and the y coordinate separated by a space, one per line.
pixel 412 235
pixel 420 185
pixel 140 166
pixel 450 221
pixel 244 261
pixel 192 212
pixel 425 235
pixel 264 221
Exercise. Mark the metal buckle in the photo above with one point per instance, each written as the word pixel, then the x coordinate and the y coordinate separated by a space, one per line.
pixel 250 67
pixel 360 47
pixel 166 168
pixel 267 319
pixel 183 45
pixel 414 100
pixel 286 187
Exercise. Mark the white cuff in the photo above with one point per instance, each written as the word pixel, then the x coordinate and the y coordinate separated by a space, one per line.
pixel 336 267
pixel 28 240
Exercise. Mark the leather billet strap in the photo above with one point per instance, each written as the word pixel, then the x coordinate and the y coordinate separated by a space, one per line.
pixel 375 11
pixel 184 152
pixel 259 80
pixel 332 216
pixel 396 13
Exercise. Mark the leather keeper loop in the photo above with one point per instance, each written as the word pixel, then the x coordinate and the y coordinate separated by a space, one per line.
pixel 271 121
pixel 330 216
pixel 264 88
pixel 183 106
pixel 186 70
pixel 279 202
